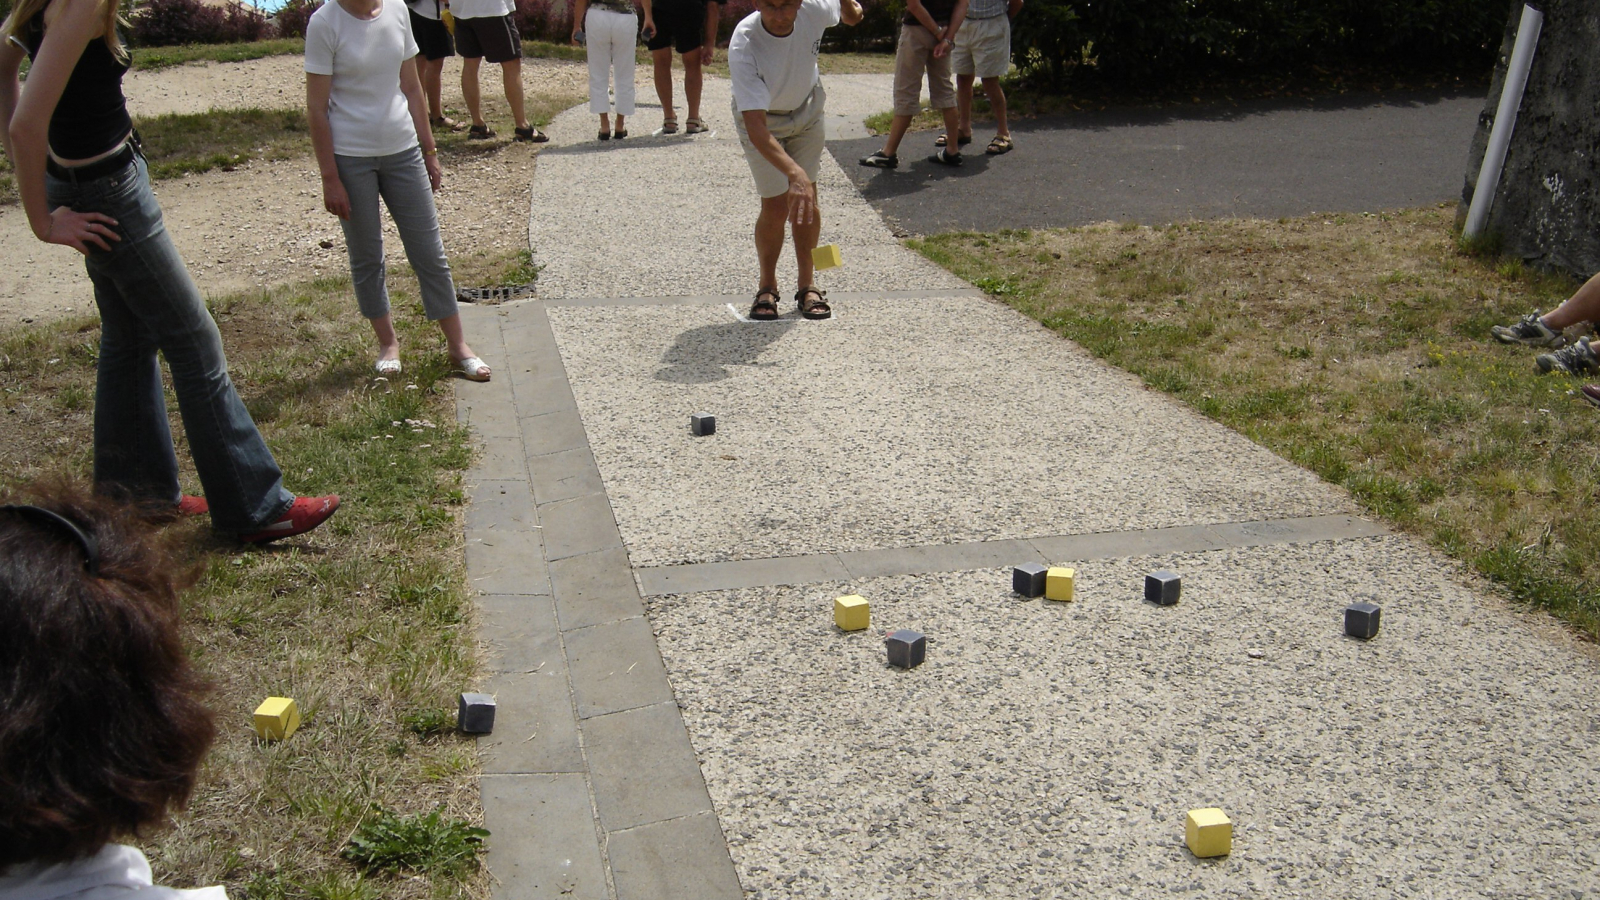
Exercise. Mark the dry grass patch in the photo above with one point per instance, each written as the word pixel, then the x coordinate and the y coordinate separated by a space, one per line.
pixel 1355 345
pixel 367 622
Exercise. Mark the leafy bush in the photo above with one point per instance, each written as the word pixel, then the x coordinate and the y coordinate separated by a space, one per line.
pixel 164 23
pixel 294 15
pixel 544 20
pixel 418 843
pixel 1148 42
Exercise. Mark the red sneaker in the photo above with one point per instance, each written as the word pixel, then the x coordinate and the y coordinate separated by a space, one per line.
pixel 303 515
pixel 190 505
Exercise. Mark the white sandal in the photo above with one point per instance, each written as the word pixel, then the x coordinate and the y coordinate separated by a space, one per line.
pixel 472 369
pixel 387 367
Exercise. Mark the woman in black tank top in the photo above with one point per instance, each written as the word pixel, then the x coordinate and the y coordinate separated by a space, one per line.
pixel 84 184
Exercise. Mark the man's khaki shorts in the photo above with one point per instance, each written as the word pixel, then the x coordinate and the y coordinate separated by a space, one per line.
pixel 801 133
pixel 913 55
pixel 983 47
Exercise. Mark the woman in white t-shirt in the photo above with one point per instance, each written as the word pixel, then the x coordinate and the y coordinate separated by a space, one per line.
pixel 369 128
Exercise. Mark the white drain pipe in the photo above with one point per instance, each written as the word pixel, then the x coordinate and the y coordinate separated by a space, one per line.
pixel 1505 121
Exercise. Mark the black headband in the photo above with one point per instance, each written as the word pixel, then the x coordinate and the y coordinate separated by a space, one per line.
pixel 91 548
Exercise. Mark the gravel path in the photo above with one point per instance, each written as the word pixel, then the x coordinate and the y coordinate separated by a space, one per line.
pixel 263 223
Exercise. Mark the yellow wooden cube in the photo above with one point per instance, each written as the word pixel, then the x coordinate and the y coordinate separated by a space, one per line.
pixel 1058 583
pixel 277 718
pixel 826 256
pixel 851 613
pixel 1208 833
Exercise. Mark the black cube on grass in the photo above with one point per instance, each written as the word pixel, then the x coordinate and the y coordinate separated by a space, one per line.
pixel 1163 588
pixel 476 713
pixel 1361 620
pixel 907 648
pixel 702 424
pixel 1028 579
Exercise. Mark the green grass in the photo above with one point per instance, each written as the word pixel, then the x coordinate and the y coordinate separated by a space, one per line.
pixel 151 58
pixel 419 843
pixel 1354 345
pixel 367 622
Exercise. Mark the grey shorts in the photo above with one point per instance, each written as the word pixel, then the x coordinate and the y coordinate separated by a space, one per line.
pixel 801 133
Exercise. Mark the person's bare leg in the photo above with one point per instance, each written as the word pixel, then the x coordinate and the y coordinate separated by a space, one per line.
pixel 1583 306
pixel 997 105
pixel 662 60
pixel 511 74
pixel 605 123
pixel 469 89
pixel 620 124
pixel 692 81
pixel 805 241
pixel 454 338
pixel 964 102
pixel 897 131
pixel 769 237
pixel 952 124
pixel 388 341
pixel 432 75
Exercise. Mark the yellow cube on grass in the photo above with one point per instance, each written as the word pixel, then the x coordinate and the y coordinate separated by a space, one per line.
pixel 851 613
pixel 1208 833
pixel 1058 583
pixel 277 718
pixel 826 256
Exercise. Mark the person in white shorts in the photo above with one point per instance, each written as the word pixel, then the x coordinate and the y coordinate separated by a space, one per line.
pixel 983 50
pixel 778 111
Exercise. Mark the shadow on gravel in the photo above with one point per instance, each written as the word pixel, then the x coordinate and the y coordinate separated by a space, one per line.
pixel 702 355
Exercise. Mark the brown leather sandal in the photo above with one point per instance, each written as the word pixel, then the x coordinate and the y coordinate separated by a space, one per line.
pixel 813 303
pixel 765 309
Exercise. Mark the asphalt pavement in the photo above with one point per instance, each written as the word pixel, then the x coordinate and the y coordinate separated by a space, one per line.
pixel 1355 153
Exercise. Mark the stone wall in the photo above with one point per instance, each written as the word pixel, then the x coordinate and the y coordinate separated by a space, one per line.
pixel 1547 207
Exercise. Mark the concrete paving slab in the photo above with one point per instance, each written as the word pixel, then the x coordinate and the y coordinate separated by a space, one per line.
pixel 518 633
pixel 848 435
pixel 541 394
pixel 546 849
pixel 534 726
pixel 946 558
pixel 578 526
pixel 680 859
pixel 489 417
pixel 616 667
pixel 595 588
pixel 687 579
pixel 566 475
pixel 643 768
pixel 506 562
pixel 500 504
pixel 553 433
pixel 1052 749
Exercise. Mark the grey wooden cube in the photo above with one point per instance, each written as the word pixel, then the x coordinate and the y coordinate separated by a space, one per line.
pixel 1028 579
pixel 1163 588
pixel 476 713
pixel 907 648
pixel 702 424
pixel 1361 620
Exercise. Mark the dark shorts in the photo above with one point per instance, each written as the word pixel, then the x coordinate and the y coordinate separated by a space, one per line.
pixel 680 24
pixel 433 39
pixel 493 38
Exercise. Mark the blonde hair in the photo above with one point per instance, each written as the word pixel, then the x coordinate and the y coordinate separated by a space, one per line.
pixel 25 10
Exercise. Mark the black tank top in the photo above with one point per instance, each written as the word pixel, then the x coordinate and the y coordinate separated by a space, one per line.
pixel 92 115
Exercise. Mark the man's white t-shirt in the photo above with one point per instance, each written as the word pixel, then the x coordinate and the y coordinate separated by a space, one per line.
pixel 366 110
pixel 481 9
pixel 115 873
pixel 778 73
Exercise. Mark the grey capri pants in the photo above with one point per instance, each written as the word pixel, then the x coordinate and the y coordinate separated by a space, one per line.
pixel 401 180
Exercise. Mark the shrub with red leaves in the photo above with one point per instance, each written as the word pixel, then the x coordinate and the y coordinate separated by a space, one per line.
pixel 166 23
pixel 294 15
pixel 544 20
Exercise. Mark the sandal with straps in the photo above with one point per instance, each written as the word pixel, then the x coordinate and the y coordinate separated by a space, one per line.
pixel 813 303
pixel 764 309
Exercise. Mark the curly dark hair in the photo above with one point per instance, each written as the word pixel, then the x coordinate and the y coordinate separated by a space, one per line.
pixel 102 720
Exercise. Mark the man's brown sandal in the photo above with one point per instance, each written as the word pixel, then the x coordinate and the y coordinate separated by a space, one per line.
pixel 1000 144
pixel 446 123
pixel 765 309
pixel 961 141
pixel 669 126
pixel 480 133
pixel 530 133
pixel 695 126
pixel 813 303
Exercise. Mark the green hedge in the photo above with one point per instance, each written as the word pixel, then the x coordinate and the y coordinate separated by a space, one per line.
pixel 1147 42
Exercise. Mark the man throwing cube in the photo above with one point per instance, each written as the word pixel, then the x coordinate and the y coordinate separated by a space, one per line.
pixel 778 111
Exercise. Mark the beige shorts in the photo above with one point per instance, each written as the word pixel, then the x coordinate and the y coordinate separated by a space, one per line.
pixel 912 56
pixel 801 133
pixel 983 47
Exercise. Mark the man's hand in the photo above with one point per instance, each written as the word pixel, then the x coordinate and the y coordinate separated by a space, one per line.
pixel 334 198
pixel 80 231
pixel 802 199
pixel 435 176
pixel 942 49
pixel 708 53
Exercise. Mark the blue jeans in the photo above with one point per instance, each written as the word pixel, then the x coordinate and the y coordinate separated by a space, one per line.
pixel 401 179
pixel 148 303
